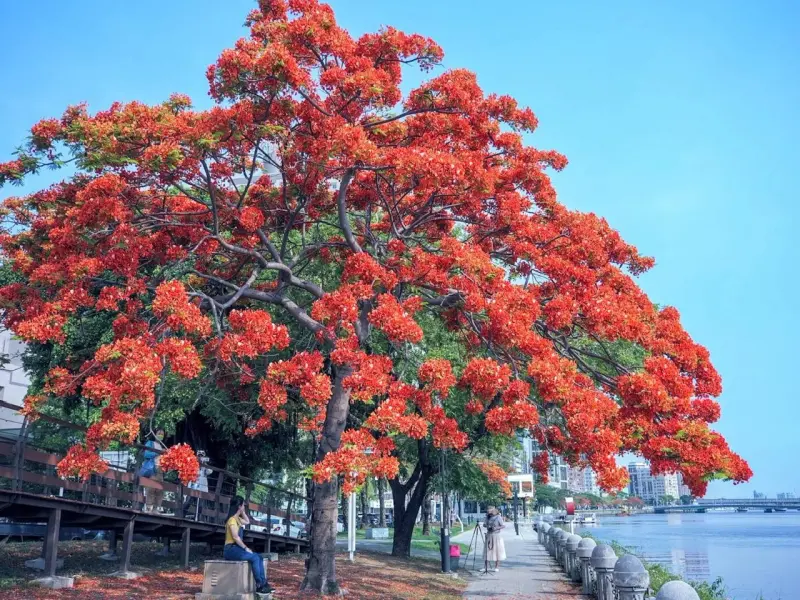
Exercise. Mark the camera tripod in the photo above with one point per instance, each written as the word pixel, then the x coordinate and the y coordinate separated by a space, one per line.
pixel 477 534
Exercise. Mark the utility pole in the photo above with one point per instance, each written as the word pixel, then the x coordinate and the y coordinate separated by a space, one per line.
pixel 516 522
pixel 445 529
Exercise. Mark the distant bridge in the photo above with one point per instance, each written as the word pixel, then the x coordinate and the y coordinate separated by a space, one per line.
pixel 680 508
pixel 765 503
pixel 702 505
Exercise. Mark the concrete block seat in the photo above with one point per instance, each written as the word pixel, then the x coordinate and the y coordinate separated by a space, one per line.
pixel 378 533
pixel 229 580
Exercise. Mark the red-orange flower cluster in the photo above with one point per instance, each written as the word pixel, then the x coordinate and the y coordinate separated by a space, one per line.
pixel 182 459
pixel 385 207
pixel 81 462
pixel 496 474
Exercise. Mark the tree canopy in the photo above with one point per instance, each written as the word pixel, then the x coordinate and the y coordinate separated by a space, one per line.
pixel 205 237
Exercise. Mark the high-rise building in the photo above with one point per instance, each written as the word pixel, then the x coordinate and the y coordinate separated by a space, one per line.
pixel 521 463
pixel 559 472
pixel 651 488
pixel 786 496
pixel 590 482
pixel 666 485
pixel 527 449
pixel 758 495
pixel 683 489
pixel 582 479
pixel 575 479
pixel 641 482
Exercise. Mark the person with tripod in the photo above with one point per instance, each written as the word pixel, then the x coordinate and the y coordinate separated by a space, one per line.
pixel 494 549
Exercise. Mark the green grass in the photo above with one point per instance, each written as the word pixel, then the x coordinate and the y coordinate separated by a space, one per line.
pixel 418 540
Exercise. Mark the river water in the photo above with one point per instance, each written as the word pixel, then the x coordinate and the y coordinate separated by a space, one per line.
pixel 757 554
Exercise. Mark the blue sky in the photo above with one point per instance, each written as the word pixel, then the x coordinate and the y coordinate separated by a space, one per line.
pixel 680 121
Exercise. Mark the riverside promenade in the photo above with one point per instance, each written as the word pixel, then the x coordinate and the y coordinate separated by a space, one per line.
pixel 529 573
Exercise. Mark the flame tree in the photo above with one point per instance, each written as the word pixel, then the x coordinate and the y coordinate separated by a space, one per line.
pixel 201 232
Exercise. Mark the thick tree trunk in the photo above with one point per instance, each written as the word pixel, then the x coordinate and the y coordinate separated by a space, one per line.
pixel 289 506
pixel 406 511
pixel 309 492
pixel 321 564
pixel 381 503
pixel 364 505
pixel 407 508
pixel 344 509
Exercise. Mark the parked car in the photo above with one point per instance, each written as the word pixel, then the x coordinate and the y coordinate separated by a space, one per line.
pixel 278 525
pixel 37 531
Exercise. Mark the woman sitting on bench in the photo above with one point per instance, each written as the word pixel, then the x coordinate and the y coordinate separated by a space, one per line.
pixel 235 548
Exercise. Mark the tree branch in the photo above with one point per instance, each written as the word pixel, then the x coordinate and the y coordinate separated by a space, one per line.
pixel 344 223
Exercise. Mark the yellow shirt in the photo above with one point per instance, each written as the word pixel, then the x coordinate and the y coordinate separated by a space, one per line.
pixel 236 524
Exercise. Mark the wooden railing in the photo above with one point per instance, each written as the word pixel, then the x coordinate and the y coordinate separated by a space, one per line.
pixel 25 465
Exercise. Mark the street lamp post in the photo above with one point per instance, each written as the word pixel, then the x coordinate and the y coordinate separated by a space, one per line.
pixel 516 522
pixel 445 529
pixel 351 516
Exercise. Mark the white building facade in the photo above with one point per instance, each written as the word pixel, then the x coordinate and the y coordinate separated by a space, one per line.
pixel 652 488
pixel 14 384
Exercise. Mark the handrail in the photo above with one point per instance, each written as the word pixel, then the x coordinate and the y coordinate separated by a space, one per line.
pixel 109 492
pixel 230 474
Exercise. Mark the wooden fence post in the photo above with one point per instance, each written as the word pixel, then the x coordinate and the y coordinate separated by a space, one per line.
pixel 127 546
pixel 19 456
pixel 51 542
pixel 217 494
pixel 186 540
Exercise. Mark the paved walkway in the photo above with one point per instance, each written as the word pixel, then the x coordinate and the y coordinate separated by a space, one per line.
pixel 529 573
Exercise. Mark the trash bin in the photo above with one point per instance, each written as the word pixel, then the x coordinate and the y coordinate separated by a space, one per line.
pixel 455 555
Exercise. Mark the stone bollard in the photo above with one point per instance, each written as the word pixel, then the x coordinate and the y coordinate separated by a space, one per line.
pixel 584 553
pixel 631 579
pixel 573 570
pixel 551 540
pixel 562 549
pixel 603 561
pixel 560 537
pixel 543 534
pixel 677 590
pixel 557 545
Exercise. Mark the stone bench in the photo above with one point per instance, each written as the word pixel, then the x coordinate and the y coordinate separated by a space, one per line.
pixel 229 580
pixel 377 533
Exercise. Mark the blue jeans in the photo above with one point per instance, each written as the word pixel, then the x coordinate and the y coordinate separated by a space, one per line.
pixel 234 552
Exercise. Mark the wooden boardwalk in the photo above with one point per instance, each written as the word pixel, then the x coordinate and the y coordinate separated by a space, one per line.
pixel 114 501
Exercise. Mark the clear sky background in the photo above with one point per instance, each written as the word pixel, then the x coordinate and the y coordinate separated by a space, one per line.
pixel 680 121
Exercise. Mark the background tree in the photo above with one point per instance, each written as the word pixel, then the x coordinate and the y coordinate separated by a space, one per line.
pixel 633 502
pixel 204 237
pixel 426 513
pixel 363 495
pixel 381 484
pixel 549 497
